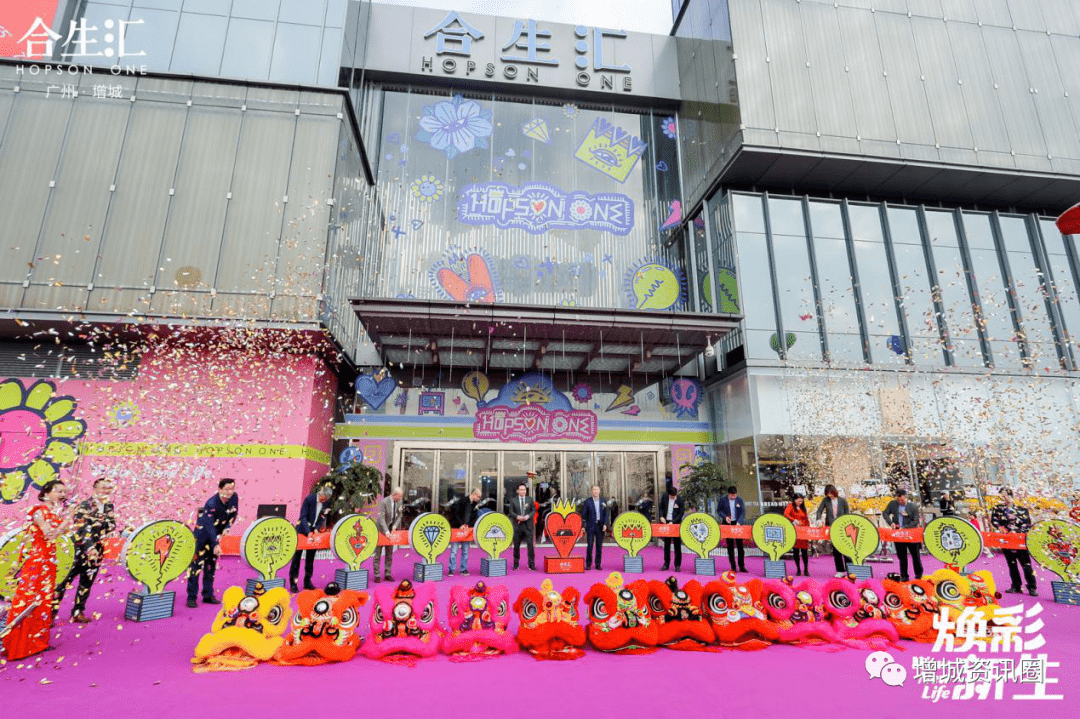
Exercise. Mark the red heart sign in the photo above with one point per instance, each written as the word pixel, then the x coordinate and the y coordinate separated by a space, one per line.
pixel 358 540
pixel 564 531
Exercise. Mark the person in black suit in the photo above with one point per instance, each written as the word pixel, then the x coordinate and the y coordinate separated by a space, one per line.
pixel 521 509
pixel 902 514
pixel 733 511
pixel 671 512
pixel 594 514
pixel 314 513
pixel 215 518
pixel 94 518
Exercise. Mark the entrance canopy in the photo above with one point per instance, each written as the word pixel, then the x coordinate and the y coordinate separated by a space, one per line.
pixel 633 347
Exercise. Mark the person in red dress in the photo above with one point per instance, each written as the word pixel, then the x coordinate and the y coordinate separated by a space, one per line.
pixel 37 577
pixel 796 512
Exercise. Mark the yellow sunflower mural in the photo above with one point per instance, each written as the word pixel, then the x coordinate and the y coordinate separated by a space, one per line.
pixel 38 432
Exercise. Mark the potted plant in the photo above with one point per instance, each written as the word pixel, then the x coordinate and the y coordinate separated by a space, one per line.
pixel 356 486
pixel 702 484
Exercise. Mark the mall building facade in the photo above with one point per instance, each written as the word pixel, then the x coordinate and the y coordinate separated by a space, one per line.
pixel 812 242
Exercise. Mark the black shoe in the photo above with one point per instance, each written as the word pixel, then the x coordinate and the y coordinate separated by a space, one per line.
pixel 515 566
pixel 308 584
pixel 377 580
pixel 387 578
pixel 599 568
pixel 192 603
pixel 464 572
pixel 211 600
pixel 532 568
pixel 1013 590
pixel 1033 592
pixel 664 568
pixel 588 567
pixel 293 588
pixel 904 579
pixel 450 573
pixel 743 570
pixel 678 568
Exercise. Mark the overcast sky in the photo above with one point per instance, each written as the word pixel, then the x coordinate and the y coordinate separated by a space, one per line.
pixel 638 15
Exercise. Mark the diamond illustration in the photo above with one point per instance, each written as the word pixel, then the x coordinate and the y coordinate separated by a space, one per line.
pixel 431 533
pixel 538 130
pixel 699 531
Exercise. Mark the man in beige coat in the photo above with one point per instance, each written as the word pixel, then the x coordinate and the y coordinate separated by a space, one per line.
pixel 387 519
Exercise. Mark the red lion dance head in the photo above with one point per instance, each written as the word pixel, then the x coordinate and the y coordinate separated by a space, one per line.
pixel 549 622
pixel 478 619
pixel 911 607
pixel 677 613
pixel 324 628
pixel 737 613
pixel 619 615
pixel 403 624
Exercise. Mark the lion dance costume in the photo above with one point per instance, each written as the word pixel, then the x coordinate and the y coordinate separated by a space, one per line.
pixel 619 617
pixel 403 624
pixel 549 622
pixel 479 619
pixel 248 629
pixel 325 627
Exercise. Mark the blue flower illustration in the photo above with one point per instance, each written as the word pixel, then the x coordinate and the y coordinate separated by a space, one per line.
pixel 455 126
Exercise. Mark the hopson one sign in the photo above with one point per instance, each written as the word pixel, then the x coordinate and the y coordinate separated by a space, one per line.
pixel 474 47
pixel 526 50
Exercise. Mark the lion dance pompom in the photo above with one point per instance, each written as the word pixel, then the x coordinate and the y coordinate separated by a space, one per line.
pixel 325 627
pixel 549 622
pixel 248 629
pixel 479 619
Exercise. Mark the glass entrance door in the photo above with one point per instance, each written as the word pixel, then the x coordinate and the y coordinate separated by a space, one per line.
pixel 434 476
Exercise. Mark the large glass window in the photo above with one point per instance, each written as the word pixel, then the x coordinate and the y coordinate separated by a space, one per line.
pixel 916 297
pixel 952 288
pixel 491 199
pixel 798 308
pixel 1028 281
pixel 875 285
pixel 993 291
pixel 1057 252
pixel 755 278
pixel 834 283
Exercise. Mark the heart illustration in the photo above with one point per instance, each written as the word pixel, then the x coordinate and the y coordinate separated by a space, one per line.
pixel 358 542
pixel 375 393
pixel 539 205
pixel 564 531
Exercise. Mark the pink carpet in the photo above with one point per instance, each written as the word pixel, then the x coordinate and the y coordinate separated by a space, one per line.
pixel 117 668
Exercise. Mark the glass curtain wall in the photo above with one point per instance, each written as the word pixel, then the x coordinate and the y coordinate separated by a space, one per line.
pixel 841 283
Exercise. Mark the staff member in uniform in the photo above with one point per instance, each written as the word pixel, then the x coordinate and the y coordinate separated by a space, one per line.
pixel 215 518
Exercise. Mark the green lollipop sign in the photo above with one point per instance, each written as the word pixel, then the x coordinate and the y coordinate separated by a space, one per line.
pixel 701 533
pixel 854 536
pixel 354 539
pixel 429 535
pixel 494 533
pixel 774 534
pixel 159 552
pixel 953 540
pixel 632 532
pixel 268 545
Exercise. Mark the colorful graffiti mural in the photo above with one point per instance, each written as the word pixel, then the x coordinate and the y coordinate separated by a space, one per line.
pixel 610 149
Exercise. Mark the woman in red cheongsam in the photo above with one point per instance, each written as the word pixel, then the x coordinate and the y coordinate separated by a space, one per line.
pixel 37 577
pixel 796 512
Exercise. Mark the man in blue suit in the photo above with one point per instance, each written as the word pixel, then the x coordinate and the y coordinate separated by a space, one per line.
pixel 215 518
pixel 313 517
pixel 595 517
pixel 733 511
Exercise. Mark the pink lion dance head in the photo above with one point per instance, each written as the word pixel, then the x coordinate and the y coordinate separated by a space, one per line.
pixel 478 619
pixel 864 624
pixel 403 624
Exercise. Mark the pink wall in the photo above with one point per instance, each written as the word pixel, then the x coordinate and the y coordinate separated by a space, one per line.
pixel 190 417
